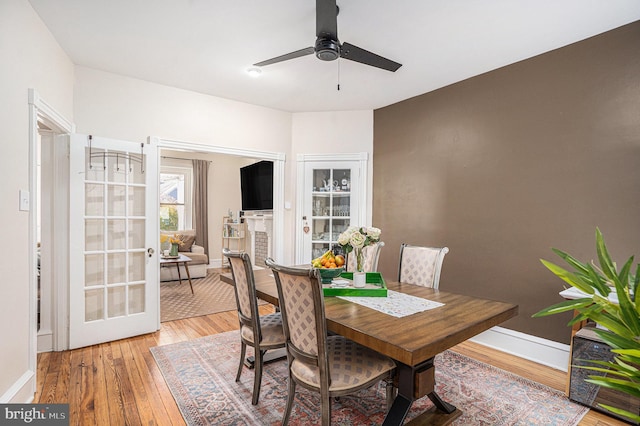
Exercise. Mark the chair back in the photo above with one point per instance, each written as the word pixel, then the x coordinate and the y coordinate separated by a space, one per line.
pixel 303 318
pixel 421 265
pixel 245 291
pixel 370 254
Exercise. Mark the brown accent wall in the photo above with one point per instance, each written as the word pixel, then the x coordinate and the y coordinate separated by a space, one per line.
pixel 503 166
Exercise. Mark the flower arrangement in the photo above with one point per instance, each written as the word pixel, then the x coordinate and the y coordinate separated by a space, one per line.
pixel 174 241
pixel 355 238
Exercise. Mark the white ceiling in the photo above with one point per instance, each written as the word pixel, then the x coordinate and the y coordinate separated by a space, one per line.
pixel 207 45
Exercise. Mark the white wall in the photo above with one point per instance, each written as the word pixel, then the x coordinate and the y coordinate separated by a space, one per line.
pixel 30 58
pixel 125 108
pixel 335 132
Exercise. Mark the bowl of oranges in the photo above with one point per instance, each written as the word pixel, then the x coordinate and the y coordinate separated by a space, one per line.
pixel 329 266
pixel 328 274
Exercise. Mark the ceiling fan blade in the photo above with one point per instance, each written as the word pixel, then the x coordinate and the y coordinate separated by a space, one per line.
pixel 357 54
pixel 292 55
pixel 327 19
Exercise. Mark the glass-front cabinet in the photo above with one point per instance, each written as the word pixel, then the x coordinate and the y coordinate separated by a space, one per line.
pixel 331 204
pixel 331 208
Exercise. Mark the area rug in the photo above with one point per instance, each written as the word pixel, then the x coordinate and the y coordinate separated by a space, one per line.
pixel 201 376
pixel 210 296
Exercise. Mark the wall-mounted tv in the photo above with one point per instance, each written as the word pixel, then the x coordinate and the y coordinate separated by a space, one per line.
pixel 256 184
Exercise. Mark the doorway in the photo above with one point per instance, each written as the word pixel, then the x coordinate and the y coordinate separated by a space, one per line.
pixel 224 200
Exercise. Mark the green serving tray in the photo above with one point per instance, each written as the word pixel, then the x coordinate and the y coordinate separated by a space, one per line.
pixel 375 287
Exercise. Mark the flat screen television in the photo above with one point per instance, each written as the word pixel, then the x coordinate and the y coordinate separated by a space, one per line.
pixel 256 184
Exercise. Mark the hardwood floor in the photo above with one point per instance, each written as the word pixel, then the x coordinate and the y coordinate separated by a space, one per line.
pixel 119 383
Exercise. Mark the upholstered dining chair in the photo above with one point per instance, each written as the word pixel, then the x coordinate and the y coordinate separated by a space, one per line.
pixel 371 255
pixel 260 332
pixel 421 265
pixel 330 365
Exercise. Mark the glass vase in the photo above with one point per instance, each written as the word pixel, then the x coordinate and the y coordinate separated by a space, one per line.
pixel 174 250
pixel 359 260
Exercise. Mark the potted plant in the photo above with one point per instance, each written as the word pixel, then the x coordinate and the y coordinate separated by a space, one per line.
pixel 620 322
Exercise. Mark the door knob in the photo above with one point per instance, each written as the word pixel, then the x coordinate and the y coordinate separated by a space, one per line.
pixel 150 251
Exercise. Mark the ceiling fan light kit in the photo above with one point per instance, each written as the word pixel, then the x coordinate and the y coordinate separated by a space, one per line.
pixel 328 47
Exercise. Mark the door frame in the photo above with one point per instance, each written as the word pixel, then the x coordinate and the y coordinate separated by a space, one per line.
pixel 278 159
pixel 41 111
pixel 302 160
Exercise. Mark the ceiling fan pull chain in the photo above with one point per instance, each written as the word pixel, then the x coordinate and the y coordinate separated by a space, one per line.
pixel 338 61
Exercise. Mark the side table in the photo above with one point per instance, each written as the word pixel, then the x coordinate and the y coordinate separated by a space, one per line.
pixel 181 259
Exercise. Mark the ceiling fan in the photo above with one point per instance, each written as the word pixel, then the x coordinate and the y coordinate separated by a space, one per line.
pixel 329 48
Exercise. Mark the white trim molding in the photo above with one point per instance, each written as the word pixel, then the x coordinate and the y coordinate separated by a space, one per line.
pixel 302 159
pixel 22 391
pixel 542 351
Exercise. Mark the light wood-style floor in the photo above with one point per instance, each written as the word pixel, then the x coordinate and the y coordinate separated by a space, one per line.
pixel 119 383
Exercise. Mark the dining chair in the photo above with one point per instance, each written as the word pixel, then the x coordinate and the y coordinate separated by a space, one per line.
pixel 331 365
pixel 371 254
pixel 260 332
pixel 421 265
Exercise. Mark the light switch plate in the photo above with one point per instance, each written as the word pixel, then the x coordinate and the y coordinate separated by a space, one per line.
pixel 24 200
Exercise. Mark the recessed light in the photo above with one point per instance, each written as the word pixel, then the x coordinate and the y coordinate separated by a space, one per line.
pixel 254 72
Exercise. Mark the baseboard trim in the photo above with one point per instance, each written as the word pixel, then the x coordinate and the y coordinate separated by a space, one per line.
pixel 22 391
pixel 45 341
pixel 532 348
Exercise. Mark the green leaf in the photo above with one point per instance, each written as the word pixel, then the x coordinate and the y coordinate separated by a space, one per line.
pixel 597 281
pixel 577 265
pixel 568 277
pixel 607 265
pixel 625 386
pixel 623 275
pixel 616 341
pixel 632 416
pixel 636 283
pixel 567 305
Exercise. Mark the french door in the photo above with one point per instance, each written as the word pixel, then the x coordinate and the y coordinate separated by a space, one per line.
pixel 113 289
pixel 333 198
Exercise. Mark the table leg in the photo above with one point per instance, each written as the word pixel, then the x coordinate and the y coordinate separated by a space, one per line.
pixel 408 386
pixel 186 268
pixel 179 277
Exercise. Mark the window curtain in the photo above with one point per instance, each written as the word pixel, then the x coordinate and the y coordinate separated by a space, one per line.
pixel 200 203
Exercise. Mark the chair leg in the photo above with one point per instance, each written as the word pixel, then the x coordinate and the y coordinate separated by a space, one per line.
pixel 257 379
pixel 290 397
pixel 325 401
pixel 243 350
pixel 391 393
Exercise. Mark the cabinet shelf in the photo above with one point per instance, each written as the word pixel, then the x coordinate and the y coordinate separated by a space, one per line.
pixel 234 236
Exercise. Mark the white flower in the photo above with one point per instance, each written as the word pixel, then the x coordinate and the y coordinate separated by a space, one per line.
pixel 373 233
pixel 357 240
pixel 356 237
pixel 343 239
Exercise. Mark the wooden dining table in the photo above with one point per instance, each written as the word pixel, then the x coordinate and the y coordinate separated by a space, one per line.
pixel 412 341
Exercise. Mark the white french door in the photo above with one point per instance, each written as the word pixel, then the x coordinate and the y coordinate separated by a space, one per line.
pixel 113 289
pixel 333 198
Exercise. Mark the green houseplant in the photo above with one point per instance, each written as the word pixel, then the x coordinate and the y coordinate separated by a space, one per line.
pixel 621 321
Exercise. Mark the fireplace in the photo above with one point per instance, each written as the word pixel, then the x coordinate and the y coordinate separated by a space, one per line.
pixel 260 231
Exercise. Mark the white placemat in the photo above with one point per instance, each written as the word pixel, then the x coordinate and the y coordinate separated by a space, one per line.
pixel 395 304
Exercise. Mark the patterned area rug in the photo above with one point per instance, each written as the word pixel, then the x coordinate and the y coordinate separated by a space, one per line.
pixel 210 296
pixel 201 376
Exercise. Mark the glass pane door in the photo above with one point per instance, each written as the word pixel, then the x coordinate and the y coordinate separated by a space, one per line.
pixel 331 198
pixel 113 274
pixel 331 208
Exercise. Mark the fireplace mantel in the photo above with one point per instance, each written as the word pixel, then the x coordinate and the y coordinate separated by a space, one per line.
pixel 259 223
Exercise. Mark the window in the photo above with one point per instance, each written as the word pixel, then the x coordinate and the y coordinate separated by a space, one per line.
pixel 175 198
